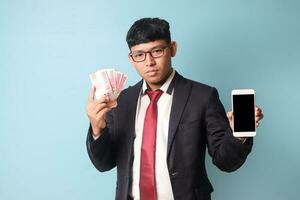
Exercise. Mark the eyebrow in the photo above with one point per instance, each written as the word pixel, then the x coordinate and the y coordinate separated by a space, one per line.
pixel 138 51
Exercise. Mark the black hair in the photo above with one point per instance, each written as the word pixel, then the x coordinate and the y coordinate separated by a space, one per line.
pixel 148 30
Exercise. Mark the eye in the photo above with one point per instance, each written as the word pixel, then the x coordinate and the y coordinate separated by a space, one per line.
pixel 156 52
pixel 138 55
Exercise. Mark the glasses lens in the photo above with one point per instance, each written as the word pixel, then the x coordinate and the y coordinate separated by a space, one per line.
pixel 157 52
pixel 138 56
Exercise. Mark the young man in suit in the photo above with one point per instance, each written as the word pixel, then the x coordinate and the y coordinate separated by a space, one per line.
pixel 158 134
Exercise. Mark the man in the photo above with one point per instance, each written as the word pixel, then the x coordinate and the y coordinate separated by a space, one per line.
pixel 158 133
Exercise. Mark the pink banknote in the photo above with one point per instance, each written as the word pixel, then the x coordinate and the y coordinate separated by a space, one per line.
pixel 108 82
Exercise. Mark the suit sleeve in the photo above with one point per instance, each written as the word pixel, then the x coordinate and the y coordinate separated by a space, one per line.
pixel 227 152
pixel 102 150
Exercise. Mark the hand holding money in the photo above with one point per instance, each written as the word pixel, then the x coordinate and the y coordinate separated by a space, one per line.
pixel 107 85
pixel 96 111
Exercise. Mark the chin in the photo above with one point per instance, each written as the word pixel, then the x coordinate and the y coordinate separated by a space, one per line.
pixel 158 83
pixel 154 80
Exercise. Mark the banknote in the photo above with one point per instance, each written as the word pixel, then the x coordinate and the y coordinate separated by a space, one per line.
pixel 108 82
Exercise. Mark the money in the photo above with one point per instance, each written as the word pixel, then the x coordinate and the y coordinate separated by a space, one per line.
pixel 108 82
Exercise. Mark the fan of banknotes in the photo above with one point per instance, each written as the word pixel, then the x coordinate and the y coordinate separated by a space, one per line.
pixel 108 82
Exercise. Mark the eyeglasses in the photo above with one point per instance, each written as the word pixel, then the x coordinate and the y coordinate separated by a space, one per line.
pixel 156 52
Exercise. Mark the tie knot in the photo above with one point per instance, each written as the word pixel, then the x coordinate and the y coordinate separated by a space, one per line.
pixel 154 95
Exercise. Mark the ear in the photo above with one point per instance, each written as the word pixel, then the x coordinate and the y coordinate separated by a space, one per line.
pixel 130 59
pixel 173 48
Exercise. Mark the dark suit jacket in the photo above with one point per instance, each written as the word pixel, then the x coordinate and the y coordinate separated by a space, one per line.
pixel 198 120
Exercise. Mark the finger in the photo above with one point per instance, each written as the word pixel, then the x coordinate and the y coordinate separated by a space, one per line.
pixel 257 124
pixel 259 116
pixel 102 99
pixel 229 114
pixel 102 112
pixel 257 109
pixel 92 94
pixel 257 119
pixel 95 103
pixel 112 104
pixel 99 107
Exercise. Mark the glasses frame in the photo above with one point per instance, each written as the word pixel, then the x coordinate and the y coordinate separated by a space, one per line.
pixel 163 47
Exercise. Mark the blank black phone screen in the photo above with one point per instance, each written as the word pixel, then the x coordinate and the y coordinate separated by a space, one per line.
pixel 243 111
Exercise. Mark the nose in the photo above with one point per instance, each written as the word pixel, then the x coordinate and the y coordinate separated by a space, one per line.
pixel 150 61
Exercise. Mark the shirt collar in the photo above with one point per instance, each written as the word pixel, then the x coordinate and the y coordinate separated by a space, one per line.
pixel 166 87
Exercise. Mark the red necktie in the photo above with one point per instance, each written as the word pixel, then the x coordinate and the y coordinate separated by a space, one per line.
pixel 147 167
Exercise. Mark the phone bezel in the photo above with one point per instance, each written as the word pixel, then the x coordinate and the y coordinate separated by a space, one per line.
pixel 243 92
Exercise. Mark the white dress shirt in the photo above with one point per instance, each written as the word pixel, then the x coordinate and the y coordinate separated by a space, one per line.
pixel 163 183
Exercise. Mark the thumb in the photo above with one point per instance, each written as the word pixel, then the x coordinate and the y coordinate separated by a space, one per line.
pixel 229 115
pixel 92 94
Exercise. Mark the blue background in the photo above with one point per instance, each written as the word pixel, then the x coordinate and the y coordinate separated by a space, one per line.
pixel 48 48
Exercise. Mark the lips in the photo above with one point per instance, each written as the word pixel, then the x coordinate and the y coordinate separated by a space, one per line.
pixel 152 72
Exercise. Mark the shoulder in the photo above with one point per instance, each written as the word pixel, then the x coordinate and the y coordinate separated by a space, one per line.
pixel 202 86
pixel 198 88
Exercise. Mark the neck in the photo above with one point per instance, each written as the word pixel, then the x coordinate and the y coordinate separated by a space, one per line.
pixel 153 87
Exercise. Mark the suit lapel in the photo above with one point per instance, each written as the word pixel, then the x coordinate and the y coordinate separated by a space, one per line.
pixel 133 94
pixel 181 93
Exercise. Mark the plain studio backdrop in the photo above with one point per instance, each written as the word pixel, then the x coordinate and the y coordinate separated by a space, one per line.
pixel 48 48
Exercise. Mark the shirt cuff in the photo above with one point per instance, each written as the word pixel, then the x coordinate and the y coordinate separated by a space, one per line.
pixel 95 137
pixel 243 140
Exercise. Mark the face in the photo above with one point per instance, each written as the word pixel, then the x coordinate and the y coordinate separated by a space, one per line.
pixel 154 71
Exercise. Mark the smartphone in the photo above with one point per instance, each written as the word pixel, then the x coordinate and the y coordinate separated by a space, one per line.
pixel 243 107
